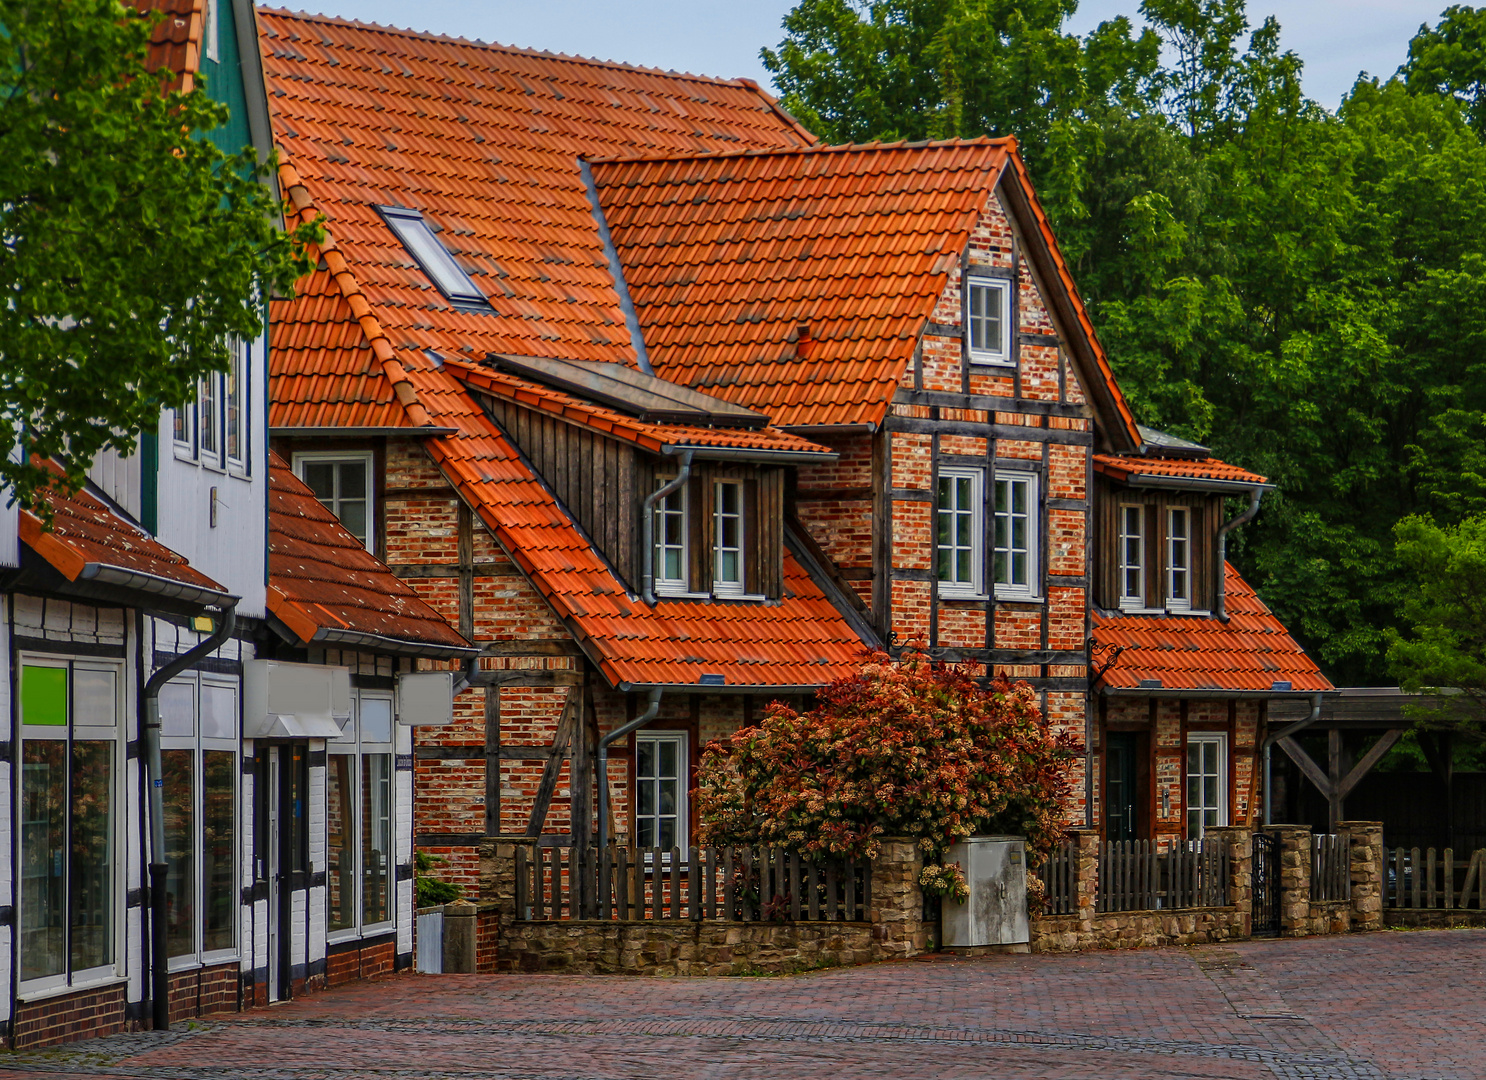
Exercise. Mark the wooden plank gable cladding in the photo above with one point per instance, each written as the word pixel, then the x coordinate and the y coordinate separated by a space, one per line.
pixel 602 482
pixel 1206 511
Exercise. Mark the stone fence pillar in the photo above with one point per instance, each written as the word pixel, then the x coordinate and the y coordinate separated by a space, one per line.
pixel 1368 866
pixel 1240 842
pixel 1295 878
pixel 1085 875
pixel 498 872
pixel 897 908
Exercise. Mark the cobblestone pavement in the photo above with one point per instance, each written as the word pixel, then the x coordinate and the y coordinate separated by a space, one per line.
pixel 1389 1006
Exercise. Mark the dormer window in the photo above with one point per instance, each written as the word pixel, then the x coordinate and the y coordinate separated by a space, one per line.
pixel 670 540
pixel 431 256
pixel 1178 559
pixel 1132 556
pixel 988 319
pixel 727 532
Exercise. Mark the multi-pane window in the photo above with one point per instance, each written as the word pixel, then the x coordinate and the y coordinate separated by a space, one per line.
pixel 69 818
pixel 1016 535
pixel 1132 556
pixel 342 483
pixel 199 727
pixel 233 405
pixel 670 539
pixel 209 422
pixel 660 789
pixel 361 876
pixel 959 538
pixel 1207 803
pixel 213 429
pixel 988 316
pixel 1178 559
pixel 727 540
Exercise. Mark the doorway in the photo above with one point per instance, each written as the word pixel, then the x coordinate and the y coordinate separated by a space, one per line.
pixel 1121 784
pixel 281 852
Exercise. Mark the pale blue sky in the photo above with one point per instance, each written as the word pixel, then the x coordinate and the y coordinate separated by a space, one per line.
pixel 1336 38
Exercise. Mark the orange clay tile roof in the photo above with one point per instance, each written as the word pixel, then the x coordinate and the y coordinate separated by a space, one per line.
pixel 651 436
pixel 800 641
pixel 1252 651
pixel 1127 468
pixel 325 586
pixel 726 255
pixel 88 540
pixel 175 42
pixel 485 141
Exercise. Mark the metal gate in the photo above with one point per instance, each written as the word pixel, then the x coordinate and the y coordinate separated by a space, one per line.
pixel 1266 889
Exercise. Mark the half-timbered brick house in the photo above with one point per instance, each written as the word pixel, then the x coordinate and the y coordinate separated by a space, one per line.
pixel 674 411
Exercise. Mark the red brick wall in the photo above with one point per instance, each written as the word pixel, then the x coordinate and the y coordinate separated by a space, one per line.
pixel 86 1014
pixel 204 991
pixel 350 961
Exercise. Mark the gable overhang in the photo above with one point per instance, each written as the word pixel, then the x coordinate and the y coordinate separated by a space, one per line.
pixel 1115 421
pixel 358 432
pixel 1190 483
pixel 762 457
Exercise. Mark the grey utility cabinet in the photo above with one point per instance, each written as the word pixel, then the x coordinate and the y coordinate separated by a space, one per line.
pixel 995 869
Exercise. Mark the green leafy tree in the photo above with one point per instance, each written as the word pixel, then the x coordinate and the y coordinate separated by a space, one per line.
pixel 1446 652
pixel 131 248
pixel 1450 58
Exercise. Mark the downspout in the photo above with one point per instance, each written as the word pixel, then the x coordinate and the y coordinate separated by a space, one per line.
pixel 1247 516
pixel 652 707
pixel 159 962
pixel 1274 737
pixel 647 522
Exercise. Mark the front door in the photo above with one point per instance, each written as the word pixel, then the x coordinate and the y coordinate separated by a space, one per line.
pixel 1120 801
pixel 282 776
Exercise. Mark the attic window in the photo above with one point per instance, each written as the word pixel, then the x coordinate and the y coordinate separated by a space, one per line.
pixel 431 255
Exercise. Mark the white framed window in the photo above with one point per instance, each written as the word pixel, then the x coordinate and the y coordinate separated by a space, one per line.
pixel 69 903
pixel 343 484
pixel 671 540
pixel 988 319
pixel 1179 559
pixel 360 793
pixel 1207 782
pixel 660 789
pixel 1016 536
pixel 209 419
pixel 1132 555
pixel 199 726
pixel 728 525
pixel 234 405
pixel 959 535
pixel 183 431
pixel 432 257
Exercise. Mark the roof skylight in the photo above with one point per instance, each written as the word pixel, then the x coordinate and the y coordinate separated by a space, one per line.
pixel 431 255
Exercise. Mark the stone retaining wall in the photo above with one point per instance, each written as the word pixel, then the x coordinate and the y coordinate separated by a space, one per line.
pixel 1138 929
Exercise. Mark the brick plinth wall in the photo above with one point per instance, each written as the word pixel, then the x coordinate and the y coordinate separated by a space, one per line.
pixel 204 991
pixel 85 1014
pixel 349 961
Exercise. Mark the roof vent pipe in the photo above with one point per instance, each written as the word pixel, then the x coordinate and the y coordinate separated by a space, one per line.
pixel 1221 607
pixel 159 961
pixel 647 522
pixel 652 707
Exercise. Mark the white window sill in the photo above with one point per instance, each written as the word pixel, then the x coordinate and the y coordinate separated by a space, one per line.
pixel 1019 598
pixel 680 594
pixel 948 593
pixel 43 994
pixel 1163 611
pixel 1189 611
pixel 749 597
pixel 992 361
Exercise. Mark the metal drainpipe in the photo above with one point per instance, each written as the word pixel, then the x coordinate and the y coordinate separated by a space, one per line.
pixel 1275 737
pixel 159 962
pixel 1221 607
pixel 644 718
pixel 647 524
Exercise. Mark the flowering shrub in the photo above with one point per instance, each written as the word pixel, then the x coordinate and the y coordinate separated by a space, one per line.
pixel 947 880
pixel 908 748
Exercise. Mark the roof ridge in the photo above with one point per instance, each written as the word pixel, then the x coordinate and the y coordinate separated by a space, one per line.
pixel 817 148
pixel 572 58
pixel 297 194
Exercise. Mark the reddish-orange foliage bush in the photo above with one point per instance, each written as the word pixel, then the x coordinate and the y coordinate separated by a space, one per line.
pixel 906 748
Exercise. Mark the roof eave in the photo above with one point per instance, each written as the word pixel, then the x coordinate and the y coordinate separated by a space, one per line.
pixel 359 432
pixel 1194 483
pixel 738 453
pixel 1209 692
pixel 155 585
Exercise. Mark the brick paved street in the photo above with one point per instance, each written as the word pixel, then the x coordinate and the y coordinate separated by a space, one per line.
pixel 1390 1005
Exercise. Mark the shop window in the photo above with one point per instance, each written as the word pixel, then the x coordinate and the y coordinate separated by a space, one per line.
pixel 69 903
pixel 361 873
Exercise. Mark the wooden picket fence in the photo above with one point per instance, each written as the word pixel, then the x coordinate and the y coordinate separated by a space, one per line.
pixel 1331 866
pixel 1059 880
pixel 1420 880
pixel 1137 875
pixel 745 884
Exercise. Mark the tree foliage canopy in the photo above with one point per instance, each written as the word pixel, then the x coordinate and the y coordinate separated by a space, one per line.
pixel 899 749
pixel 1302 289
pixel 131 248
